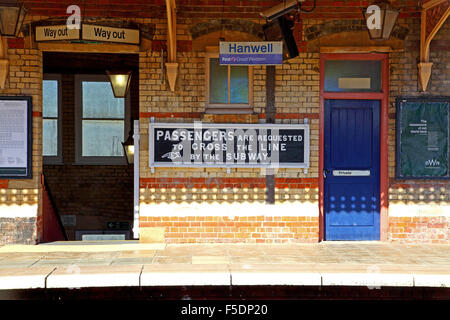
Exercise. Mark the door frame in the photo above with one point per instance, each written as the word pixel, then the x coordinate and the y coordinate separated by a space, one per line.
pixel 383 97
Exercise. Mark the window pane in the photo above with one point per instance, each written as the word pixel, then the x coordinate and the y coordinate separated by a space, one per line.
pixel 357 75
pixel 99 101
pixel 218 82
pixel 50 98
pixel 239 84
pixel 50 137
pixel 102 138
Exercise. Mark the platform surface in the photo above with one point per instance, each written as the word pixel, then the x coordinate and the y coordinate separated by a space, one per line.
pixel 128 263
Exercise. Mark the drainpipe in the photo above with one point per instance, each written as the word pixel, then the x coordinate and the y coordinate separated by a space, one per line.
pixel 136 138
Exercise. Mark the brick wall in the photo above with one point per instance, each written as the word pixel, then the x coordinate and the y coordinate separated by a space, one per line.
pixel 175 198
pixel 198 204
pixel 20 212
pixel 419 210
pixel 185 194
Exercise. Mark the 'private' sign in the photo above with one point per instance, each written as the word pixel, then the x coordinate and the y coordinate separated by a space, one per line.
pixel 251 53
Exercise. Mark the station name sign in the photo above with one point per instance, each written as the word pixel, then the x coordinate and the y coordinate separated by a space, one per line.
pixel 229 145
pixel 88 32
pixel 251 53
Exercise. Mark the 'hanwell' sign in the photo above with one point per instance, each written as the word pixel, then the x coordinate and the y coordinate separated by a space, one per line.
pixel 251 53
pixel 229 145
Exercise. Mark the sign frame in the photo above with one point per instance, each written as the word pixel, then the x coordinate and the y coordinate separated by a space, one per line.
pixel 81 34
pixel 29 138
pixel 278 55
pixel 77 38
pixel 305 127
pixel 398 126
pixel 93 25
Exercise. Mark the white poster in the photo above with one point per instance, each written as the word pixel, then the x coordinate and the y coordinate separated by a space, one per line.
pixel 13 134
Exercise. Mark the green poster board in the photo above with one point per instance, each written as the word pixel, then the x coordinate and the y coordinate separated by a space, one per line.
pixel 423 137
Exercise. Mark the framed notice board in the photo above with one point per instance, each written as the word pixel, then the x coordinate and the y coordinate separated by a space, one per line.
pixel 423 138
pixel 15 137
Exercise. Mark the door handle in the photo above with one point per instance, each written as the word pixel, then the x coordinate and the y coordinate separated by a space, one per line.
pixel 325 172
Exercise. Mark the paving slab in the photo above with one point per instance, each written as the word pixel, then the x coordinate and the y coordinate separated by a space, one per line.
pixel 275 274
pixel 75 276
pixel 24 278
pixel 185 275
pixel 81 247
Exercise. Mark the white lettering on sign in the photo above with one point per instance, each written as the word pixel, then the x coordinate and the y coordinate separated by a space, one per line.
pixel 52 33
pixel 109 34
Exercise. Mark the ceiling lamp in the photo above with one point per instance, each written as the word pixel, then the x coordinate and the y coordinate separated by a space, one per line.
pixel 12 14
pixel 380 19
pixel 120 82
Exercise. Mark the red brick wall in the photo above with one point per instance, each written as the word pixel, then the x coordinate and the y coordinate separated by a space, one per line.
pixel 255 229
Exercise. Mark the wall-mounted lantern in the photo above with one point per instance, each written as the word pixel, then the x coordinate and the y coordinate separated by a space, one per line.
pixel 12 14
pixel 120 82
pixel 128 148
pixel 380 19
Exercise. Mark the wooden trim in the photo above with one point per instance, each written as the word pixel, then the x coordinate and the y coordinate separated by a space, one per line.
pixel 90 47
pixel 432 3
pixel 433 33
pixel 384 131
pixel 382 49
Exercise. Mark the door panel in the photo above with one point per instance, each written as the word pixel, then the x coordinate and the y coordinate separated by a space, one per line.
pixel 351 170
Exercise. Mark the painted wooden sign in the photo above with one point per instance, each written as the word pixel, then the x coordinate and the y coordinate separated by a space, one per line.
pixel 110 34
pixel 251 53
pixel 56 33
pixel 229 145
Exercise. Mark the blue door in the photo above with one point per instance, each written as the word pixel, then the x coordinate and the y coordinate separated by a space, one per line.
pixel 352 170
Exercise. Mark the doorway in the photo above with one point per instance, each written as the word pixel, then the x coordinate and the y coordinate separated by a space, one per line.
pixel 88 177
pixel 352 170
pixel 353 165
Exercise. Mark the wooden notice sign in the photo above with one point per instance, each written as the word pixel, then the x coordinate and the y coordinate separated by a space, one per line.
pixel 55 33
pixel 110 34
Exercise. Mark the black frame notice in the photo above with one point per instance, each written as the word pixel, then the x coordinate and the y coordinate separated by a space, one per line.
pixel 229 145
pixel 423 138
pixel 16 133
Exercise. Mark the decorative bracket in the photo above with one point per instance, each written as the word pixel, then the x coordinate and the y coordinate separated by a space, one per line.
pixel 171 65
pixel 433 15
pixel 4 62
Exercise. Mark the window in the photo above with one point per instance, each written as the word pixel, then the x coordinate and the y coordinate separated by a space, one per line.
pixel 229 88
pixel 51 119
pixel 352 76
pixel 101 122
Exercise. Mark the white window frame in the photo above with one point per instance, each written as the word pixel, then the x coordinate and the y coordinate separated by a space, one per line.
pixel 100 160
pixel 58 159
pixel 226 108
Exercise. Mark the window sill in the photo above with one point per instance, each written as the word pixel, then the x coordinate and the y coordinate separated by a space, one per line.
pixel 100 162
pixel 230 118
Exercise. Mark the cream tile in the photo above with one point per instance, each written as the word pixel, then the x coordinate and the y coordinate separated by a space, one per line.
pixel 185 275
pixel 23 278
pixel 89 276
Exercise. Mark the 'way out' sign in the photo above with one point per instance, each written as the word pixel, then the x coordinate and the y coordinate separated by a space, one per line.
pixel 88 32
pixel 109 34
pixel 251 53
pixel 57 32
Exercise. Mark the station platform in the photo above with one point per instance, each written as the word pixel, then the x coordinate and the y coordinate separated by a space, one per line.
pixel 132 264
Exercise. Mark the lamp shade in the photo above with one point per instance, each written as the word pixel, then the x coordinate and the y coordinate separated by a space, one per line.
pixel 120 82
pixel 12 14
pixel 128 148
pixel 380 20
